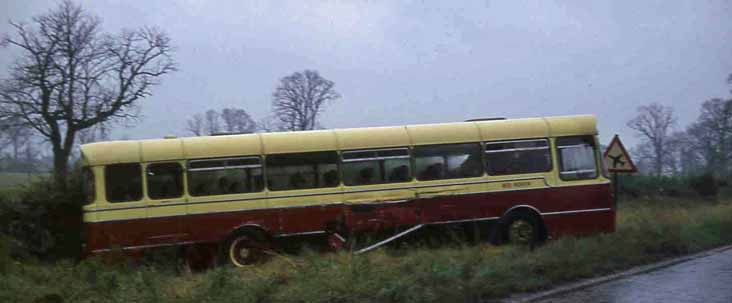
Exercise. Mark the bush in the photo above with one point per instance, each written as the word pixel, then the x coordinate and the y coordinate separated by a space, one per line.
pixel 43 220
pixel 705 185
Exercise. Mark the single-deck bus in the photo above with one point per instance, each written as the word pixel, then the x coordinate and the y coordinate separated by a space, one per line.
pixel 534 179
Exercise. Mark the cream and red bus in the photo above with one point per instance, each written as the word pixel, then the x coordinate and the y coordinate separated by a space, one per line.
pixel 531 179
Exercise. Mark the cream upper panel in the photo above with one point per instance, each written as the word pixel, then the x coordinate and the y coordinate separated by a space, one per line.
pixel 161 150
pixel 443 133
pixel 111 152
pixel 572 125
pixel 299 142
pixel 222 146
pixel 513 129
pixel 372 137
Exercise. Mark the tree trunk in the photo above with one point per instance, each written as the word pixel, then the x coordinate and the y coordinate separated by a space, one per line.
pixel 60 167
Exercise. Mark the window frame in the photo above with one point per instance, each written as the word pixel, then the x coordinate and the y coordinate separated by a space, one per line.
pixel 107 188
pixel 548 148
pixel 189 170
pixel 181 176
pixel 407 155
pixel 415 173
pixel 560 169
pixel 337 163
pixel 89 185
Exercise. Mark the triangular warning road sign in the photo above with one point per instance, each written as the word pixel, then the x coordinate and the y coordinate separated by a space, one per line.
pixel 617 158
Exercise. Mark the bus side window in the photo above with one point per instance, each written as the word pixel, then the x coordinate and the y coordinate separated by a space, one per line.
pixel 448 161
pixel 164 180
pixel 364 167
pixel 517 157
pixel 225 176
pixel 123 182
pixel 577 158
pixel 302 170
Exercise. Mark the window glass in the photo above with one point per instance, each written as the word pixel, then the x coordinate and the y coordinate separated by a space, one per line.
pixel 123 182
pixel 225 176
pixel 302 170
pixel 88 185
pixel 164 180
pixel 517 157
pixel 434 162
pixel 577 158
pixel 376 166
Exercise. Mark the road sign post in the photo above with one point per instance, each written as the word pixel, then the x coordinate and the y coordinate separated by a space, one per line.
pixel 617 160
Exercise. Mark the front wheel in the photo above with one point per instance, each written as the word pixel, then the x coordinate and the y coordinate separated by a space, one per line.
pixel 245 249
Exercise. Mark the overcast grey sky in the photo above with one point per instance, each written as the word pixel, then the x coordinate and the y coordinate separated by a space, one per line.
pixel 428 61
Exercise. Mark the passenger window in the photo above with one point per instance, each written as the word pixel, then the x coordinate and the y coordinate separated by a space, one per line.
pixel 123 182
pixel 302 170
pixel 164 181
pixel 225 176
pixel 434 162
pixel 577 158
pixel 517 157
pixel 376 166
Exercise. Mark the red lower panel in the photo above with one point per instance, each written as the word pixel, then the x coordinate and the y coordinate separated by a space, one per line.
pixel 215 227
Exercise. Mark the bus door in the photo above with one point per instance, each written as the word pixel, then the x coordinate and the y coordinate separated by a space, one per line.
pixel 449 175
pixel 121 215
pixel 305 191
pixel 378 188
pixel 225 194
pixel 166 203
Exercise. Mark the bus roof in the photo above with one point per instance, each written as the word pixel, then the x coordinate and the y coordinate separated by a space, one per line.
pixel 130 151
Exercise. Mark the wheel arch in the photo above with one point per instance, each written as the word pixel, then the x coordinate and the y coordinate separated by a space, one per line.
pixel 248 228
pixel 525 209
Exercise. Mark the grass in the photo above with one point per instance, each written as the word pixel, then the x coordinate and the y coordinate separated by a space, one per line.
pixel 648 231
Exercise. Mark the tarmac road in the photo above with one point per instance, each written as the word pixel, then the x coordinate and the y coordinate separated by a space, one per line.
pixel 706 279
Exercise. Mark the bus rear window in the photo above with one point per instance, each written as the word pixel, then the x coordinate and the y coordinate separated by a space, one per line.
pixel 87 186
pixel 577 158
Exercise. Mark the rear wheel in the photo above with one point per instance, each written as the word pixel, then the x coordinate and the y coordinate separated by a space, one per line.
pixel 522 229
pixel 245 248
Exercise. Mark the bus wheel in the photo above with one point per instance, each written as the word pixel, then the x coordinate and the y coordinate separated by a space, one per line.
pixel 522 229
pixel 245 248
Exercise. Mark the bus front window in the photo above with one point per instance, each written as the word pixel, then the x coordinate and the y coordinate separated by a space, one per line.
pixel 88 186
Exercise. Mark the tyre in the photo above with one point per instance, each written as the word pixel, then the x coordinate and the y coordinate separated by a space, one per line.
pixel 522 228
pixel 245 248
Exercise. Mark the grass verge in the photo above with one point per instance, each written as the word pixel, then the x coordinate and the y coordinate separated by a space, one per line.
pixel 648 231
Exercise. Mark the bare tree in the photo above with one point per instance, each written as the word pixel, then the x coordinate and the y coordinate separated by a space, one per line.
pixel 300 98
pixel 15 136
pixel 71 76
pixel 654 124
pixel 195 125
pixel 99 132
pixel 238 121
pixel 711 135
pixel 235 121
pixel 212 122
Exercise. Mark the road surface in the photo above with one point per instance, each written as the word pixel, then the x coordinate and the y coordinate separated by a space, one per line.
pixel 706 279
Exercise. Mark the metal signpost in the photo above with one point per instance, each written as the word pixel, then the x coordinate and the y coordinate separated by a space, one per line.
pixel 617 160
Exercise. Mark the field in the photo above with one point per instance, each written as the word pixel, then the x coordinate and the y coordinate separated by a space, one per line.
pixel 648 230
